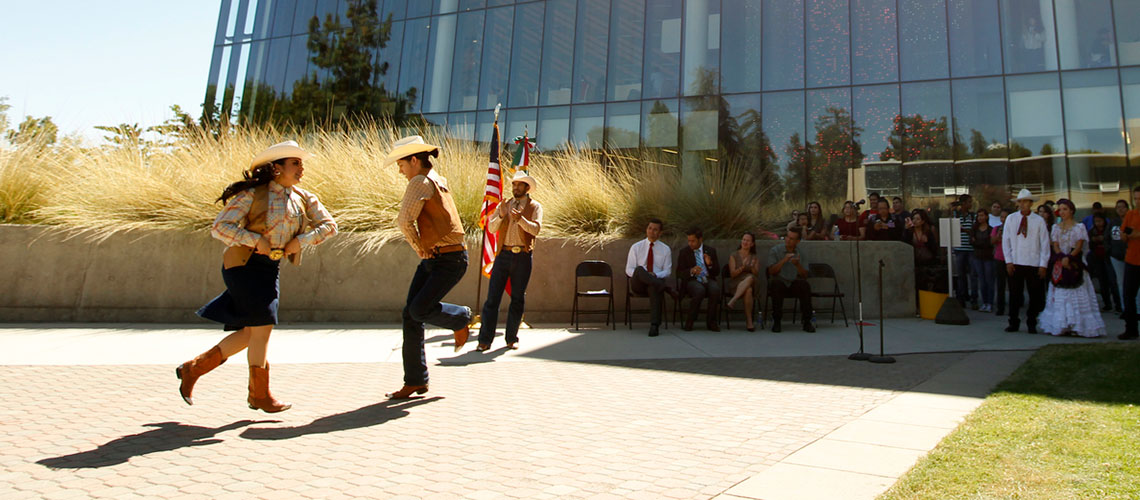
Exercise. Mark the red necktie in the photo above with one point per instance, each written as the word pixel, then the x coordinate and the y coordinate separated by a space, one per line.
pixel 649 259
pixel 1023 228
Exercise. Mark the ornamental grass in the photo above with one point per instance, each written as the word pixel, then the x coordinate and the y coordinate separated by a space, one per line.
pixel 592 196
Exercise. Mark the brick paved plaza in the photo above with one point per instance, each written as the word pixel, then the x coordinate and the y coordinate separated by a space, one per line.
pixel 502 425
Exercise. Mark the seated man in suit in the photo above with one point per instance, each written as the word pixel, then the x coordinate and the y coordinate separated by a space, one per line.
pixel 787 276
pixel 697 266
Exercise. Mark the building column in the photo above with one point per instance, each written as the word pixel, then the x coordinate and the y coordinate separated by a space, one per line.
pixel 444 53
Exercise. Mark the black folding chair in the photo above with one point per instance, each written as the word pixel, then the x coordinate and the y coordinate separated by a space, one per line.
pixel 630 311
pixel 593 269
pixel 725 295
pixel 822 271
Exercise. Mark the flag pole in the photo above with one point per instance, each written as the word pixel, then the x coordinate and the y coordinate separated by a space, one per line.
pixel 477 317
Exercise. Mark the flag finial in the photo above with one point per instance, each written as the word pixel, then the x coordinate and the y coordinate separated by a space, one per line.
pixel 497 107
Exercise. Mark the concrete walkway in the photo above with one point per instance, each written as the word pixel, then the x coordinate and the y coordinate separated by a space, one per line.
pixel 597 413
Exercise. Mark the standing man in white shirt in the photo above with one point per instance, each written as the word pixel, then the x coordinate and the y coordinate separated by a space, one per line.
pixel 650 262
pixel 1025 242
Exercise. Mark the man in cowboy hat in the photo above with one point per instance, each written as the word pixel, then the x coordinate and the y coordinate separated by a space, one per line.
pixel 518 222
pixel 1025 243
pixel 431 226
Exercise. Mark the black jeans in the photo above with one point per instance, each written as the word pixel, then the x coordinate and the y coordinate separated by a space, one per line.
pixel 1101 269
pixel 516 267
pixel 1026 278
pixel 800 289
pixel 1131 287
pixel 697 292
pixel 646 283
pixel 433 279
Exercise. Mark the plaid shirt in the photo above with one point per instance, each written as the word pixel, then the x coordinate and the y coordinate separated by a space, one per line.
pixel 283 219
pixel 514 235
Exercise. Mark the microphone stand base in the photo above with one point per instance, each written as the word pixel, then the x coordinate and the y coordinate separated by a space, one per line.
pixel 881 359
pixel 859 356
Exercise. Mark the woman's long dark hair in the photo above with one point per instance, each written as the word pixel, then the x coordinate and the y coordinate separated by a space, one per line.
pixel 260 175
pixel 750 250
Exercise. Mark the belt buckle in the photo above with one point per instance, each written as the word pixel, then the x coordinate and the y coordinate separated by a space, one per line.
pixel 516 249
pixel 276 254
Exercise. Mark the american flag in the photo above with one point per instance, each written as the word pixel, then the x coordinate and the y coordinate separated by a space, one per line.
pixel 491 199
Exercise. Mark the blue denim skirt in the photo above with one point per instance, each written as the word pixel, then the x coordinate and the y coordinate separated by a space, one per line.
pixel 251 295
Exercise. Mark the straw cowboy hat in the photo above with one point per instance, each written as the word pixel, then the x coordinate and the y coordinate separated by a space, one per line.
pixel 521 176
pixel 1024 194
pixel 287 149
pixel 408 146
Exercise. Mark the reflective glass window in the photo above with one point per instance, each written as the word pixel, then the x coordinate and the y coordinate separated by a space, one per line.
pixel 699 123
pixel 553 127
pixel 874 41
pixel 627 34
pixel 1094 138
pixel 701 56
pixel 526 54
pixel 783 121
pixel 390 56
pixel 283 17
pixel 306 11
pixel 518 122
pixel 413 62
pixel 743 142
pixel 590 46
pixel 263 19
pixel 662 49
pixel 979 119
pixel 587 126
pixel 783 44
pixel 1030 43
pixel 419 8
pixel 1084 34
pixel 298 66
pixel 623 125
pixel 876 109
pixel 441 52
pixel 277 63
pixel 484 120
pixel 1126 13
pixel 975 44
pixel 834 147
pixel 497 54
pixel 396 8
pixel 468 53
pixel 443 6
pixel 327 8
pixel 922 132
pixel 828 43
pixel 1036 137
pixel 461 126
pixel 740 46
pixel 496 3
pixel 558 52
pixel 659 124
pixel 471 4
pixel 342 9
pixel 1130 81
pixel 922 39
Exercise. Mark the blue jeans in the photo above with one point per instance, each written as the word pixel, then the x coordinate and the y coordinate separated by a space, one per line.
pixel 433 279
pixel 516 267
pixel 984 271
pixel 966 282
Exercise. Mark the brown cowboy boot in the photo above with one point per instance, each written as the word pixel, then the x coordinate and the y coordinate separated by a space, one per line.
pixel 259 396
pixel 189 371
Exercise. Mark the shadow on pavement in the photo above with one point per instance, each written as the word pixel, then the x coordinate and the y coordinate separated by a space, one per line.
pixel 166 436
pixel 367 416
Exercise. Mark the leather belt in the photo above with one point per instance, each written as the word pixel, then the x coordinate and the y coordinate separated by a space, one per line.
pixel 459 247
pixel 516 249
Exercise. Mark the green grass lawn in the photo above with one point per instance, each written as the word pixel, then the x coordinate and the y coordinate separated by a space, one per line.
pixel 1066 425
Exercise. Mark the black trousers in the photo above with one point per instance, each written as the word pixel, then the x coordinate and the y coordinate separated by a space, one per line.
pixel 799 289
pixel 1131 287
pixel 697 292
pixel 1000 277
pixel 1025 279
pixel 646 283
pixel 515 267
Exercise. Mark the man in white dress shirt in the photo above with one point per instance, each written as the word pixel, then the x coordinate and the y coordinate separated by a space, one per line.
pixel 1025 242
pixel 650 262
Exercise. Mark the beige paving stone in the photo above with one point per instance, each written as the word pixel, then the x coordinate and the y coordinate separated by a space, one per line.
pixel 856 457
pixel 787 481
pixel 915 437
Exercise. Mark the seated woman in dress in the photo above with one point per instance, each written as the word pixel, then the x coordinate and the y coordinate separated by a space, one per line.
pixel 744 267
pixel 1070 306
pixel 849 226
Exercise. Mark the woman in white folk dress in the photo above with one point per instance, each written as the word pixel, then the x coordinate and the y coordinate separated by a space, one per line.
pixel 1070 308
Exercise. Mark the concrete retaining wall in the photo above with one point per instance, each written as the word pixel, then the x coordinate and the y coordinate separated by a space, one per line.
pixel 164 276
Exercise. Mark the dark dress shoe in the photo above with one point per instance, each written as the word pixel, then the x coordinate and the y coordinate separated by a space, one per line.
pixel 808 327
pixel 750 328
pixel 514 346
pixel 1032 330
pixel 1127 336
pixel 482 347
pixel 714 328
pixel 688 326
pixel 406 391
pixel 653 331
pixel 1011 328
pixel 776 328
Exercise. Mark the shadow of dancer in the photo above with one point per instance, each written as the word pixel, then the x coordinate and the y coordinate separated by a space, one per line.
pixel 474 357
pixel 166 436
pixel 367 416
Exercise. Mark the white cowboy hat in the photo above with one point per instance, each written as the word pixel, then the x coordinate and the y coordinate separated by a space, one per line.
pixel 408 146
pixel 1024 194
pixel 287 149
pixel 521 176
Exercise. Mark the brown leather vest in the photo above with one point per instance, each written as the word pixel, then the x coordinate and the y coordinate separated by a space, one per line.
pixel 528 239
pixel 438 219
pixel 255 220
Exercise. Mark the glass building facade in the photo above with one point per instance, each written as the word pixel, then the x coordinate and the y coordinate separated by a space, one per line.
pixel 923 99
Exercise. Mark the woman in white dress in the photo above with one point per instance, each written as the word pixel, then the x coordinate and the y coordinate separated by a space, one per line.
pixel 1070 311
